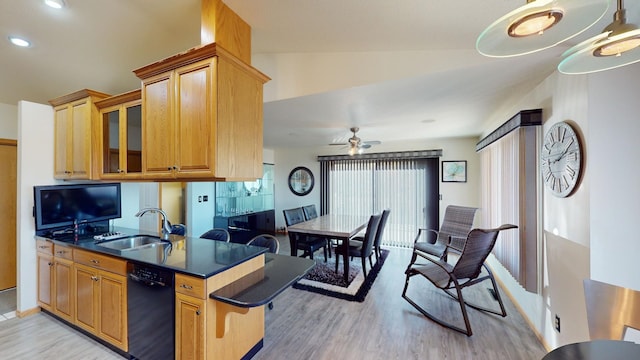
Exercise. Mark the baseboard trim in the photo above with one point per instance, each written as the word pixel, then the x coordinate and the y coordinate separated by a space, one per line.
pixel 28 312
pixel 504 288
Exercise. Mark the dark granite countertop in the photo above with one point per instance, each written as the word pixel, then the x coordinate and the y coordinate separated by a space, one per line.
pixel 188 255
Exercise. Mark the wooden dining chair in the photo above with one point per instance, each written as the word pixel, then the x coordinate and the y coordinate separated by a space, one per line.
pixel 364 249
pixel 308 244
pixel 379 233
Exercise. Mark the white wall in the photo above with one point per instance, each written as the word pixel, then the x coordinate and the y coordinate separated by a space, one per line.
pixel 199 214
pixel 8 121
pixel 614 132
pixel 452 193
pixel 35 167
pixel 591 233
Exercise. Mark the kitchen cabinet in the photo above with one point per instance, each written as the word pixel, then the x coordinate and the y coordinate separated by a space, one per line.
pixel 101 296
pixel 202 117
pixel 120 136
pixel 74 125
pixel 45 274
pixel 209 329
pixel 63 282
pixel 190 327
pixel 55 279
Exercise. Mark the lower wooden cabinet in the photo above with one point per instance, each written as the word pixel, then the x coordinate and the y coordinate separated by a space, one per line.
pixel 190 327
pixel 45 281
pixel 84 288
pixel 64 289
pixel 101 299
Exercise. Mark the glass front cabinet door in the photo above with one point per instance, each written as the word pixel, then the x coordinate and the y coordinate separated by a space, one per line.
pixel 121 136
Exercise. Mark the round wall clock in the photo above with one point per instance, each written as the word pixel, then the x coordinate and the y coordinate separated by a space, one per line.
pixel 560 159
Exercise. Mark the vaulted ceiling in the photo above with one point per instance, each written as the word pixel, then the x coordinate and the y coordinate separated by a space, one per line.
pixel 399 70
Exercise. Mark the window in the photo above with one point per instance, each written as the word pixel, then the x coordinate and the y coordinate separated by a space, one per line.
pixel 363 186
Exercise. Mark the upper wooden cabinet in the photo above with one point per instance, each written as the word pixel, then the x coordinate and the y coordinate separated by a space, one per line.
pixel 202 117
pixel 120 136
pixel 75 119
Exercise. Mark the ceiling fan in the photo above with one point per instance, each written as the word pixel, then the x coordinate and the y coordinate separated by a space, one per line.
pixel 356 145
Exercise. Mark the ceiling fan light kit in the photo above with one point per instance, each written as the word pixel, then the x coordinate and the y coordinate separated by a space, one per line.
pixel 356 145
pixel 539 25
pixel 618 45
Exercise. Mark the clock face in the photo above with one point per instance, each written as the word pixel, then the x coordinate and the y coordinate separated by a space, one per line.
pixel 560 159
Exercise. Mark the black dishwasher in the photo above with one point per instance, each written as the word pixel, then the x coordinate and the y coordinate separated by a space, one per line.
pixel 151 312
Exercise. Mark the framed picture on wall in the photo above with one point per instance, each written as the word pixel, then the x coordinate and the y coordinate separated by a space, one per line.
pixel 454 171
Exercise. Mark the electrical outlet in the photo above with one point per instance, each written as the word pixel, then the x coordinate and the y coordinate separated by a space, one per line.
pixel 557 323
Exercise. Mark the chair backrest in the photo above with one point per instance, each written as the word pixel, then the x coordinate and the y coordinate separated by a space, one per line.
pixel 370 234
pixel 310 212
pixel 293 216
pixel 381 226
pixel 477 247
pixel 611 309
pixel 457 223
pixel 217 234
pixel 266 240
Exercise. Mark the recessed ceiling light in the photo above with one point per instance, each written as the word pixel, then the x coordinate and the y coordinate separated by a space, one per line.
pixel 56 4
pixel 19 41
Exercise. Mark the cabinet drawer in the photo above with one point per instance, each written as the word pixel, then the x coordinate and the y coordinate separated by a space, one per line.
pixel 44 247
pixel 191 286
pixel 64 252
pixel 100 261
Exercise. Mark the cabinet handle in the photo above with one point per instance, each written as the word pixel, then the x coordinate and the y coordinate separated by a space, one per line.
pixel 50 263
pixel 60 252
pixel 185 286
pixel 95 261
pixel 198 312
pixel 43 247
pixel 175 167
pixel 169 168
pixel 94 278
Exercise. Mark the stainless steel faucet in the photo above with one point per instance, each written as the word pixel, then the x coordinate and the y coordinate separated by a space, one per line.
pixel 166 229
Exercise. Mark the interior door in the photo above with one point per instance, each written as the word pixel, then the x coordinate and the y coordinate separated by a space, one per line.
pixel 8 189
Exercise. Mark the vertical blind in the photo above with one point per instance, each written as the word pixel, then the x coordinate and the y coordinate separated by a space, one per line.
pixel 367 186
pixel 508 162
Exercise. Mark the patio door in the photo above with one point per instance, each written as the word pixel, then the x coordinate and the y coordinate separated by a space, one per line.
pixel 409 187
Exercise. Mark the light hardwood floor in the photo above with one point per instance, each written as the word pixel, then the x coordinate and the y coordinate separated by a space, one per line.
pixel 305 325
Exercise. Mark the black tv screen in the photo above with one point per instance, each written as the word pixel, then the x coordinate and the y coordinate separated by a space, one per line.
pixel 58 206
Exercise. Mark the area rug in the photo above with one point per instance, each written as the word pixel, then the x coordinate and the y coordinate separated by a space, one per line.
pixel 323 279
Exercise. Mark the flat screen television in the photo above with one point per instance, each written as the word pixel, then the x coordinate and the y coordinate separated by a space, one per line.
pixel 58 206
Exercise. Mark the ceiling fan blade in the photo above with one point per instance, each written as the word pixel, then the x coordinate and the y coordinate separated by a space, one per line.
pixel 373 142
pixel 365 146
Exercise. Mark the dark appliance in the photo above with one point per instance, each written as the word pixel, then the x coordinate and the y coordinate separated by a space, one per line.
pixel 151 312
pixel 70 207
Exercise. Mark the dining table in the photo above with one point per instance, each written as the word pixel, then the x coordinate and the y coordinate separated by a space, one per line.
pixel 331 226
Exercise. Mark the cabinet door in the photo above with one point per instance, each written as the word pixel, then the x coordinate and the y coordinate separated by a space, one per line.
pixel 239 122
pixel 62 135
pixel 111 144
pixel 86 298
pixel 195 121
pixel 81 139
pixel 112 325
pixel 190 327
pixel 63 280
pixel 45 281
pixel 158 152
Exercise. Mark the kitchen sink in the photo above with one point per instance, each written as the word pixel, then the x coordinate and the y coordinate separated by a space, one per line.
pixel 132 242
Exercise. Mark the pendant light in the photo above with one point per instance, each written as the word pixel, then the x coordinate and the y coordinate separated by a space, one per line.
pixel 539 25
pixel 617 45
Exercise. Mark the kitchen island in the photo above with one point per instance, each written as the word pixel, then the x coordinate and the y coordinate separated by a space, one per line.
pixel 208 324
